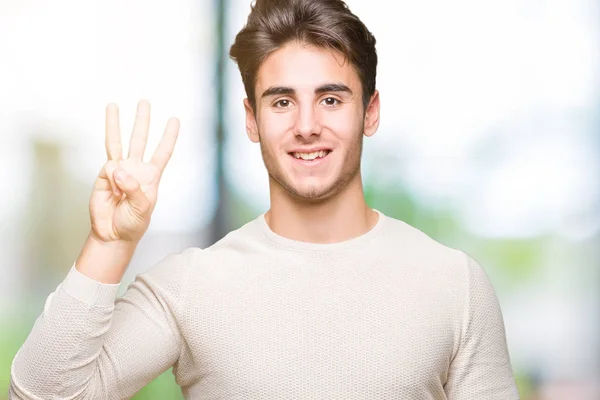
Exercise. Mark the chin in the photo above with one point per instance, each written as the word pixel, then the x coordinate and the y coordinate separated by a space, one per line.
pixel 308 189
pixel 313 193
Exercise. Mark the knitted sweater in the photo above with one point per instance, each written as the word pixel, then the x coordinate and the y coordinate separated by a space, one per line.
pixel 391 314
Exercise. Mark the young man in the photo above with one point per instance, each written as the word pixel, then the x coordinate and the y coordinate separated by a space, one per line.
pixel 321 297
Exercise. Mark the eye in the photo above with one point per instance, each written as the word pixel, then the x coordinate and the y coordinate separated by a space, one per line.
pixel 331 101
pixel 283 103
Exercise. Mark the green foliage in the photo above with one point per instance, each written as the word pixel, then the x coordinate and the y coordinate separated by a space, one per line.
pixel 518 259
pixel 13 336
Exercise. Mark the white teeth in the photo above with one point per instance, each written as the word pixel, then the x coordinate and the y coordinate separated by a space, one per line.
pixel 311 156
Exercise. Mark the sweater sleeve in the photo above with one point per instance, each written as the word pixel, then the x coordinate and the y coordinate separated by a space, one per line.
pixel 89 344
pixel 481 367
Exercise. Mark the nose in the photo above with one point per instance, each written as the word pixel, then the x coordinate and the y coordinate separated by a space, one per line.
pixel 307 121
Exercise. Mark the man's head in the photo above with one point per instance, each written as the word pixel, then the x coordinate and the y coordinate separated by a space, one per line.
pixel 309 68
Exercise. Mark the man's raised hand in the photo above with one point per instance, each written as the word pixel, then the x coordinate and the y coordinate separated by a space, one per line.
pixel 124 194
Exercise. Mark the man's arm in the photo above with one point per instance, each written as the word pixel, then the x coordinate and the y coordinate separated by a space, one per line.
pixel 86 345
pixel 481 368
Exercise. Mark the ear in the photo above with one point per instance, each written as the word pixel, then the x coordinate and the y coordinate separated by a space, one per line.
pixel 372 115
pixel 251 125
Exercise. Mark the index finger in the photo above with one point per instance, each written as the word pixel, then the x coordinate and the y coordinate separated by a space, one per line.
pixel 114 149
pixel 167 143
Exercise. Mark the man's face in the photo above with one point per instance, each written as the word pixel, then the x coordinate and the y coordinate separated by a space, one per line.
pixel 309 121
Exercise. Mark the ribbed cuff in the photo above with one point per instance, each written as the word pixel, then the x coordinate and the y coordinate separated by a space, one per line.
pixel 89 291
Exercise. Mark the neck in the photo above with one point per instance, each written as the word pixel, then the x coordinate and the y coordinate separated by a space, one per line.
pixel 342 217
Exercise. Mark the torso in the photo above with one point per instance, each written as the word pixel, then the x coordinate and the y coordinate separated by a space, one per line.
pixel 275 325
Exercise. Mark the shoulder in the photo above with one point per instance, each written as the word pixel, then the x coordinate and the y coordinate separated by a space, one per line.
pixel 171 270
pixel 404 242
pixel 436 261
pixel 232 249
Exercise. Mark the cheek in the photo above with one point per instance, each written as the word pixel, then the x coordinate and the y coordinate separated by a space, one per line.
pixel 344 125
pixel 273 126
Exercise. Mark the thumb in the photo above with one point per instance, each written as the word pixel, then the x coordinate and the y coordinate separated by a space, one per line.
pixel 132 190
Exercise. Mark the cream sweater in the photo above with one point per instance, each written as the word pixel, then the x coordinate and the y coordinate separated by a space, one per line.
pixel 392 314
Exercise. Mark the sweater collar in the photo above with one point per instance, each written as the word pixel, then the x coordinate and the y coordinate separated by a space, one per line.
pixel 320 247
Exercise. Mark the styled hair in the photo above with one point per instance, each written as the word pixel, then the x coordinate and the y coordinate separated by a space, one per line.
pixel 321 23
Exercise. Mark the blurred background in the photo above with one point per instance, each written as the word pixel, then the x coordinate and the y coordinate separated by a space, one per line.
pixel 489 142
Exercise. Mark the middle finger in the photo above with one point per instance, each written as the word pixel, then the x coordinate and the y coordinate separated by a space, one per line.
pixel 137 143
pixel 112 139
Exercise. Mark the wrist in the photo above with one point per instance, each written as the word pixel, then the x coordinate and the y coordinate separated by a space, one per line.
pixel 105 262
pixel 115 245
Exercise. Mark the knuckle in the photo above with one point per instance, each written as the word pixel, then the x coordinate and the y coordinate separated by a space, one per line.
pixel 110 167
pixel 135 185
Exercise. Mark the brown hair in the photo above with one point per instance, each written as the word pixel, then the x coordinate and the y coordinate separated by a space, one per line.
pixel 322 23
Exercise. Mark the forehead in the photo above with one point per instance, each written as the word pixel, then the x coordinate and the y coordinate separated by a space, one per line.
pixel 301 66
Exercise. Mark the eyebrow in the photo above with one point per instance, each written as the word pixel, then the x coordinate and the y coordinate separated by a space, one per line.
pixel 284 90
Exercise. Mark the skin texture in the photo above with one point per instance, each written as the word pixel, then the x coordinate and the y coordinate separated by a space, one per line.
pixel 309 97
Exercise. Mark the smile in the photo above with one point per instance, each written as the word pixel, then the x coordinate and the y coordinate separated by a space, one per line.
pixel 313 158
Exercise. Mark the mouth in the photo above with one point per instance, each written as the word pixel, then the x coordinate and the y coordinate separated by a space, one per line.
pixel 310 158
